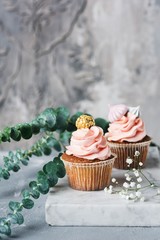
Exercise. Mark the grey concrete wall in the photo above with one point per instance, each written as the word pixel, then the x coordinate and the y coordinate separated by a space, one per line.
pixel 81 54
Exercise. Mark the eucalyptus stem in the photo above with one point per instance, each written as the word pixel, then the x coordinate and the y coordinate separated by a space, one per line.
pixel 46 178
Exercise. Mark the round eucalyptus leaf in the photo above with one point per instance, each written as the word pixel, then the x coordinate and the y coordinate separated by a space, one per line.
pixel 62 118
pixel 65 137
pixel 5 229
pixel 37 152
pixel 35 127
pixel 44 187
pixel 61 171
pixel 27 203
pixel 46 150
pixel 5 174
pixel 54 143
pixel 15 206
pixel 35 194
pixel 4 137
pixel 26 131
pixel 52 180
pixel 16 218
pixel 15 134
pixel 24 161
pixel 102 123
pixel 26 193
pixel 33 185
pixel 15 168
pixel 50 169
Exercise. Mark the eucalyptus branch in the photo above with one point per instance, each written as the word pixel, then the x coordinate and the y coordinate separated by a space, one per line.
pixel 14 159
pixel 46 178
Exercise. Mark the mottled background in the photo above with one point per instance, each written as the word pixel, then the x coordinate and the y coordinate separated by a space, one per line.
pixel 81 54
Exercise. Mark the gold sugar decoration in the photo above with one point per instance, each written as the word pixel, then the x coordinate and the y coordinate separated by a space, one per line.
pixel 85 121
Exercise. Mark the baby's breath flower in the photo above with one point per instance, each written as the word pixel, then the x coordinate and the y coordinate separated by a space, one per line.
pixel 131 195
pixel 137 153
pixel 127 197
pixel 140 164
pixel 138 185
pixel 132 184
pixel 142 199
pixel 110 187
pixel 129 160
pixel 110 191
pixel 113 180
pixel 126 185
pixel 158 191
pixel 139 179
pixel 138 194
pixel 105 189
pixel 128 179
pixel 136 173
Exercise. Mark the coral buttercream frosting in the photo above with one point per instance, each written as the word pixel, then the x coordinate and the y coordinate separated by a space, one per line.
pixel 129 128
pixel 89 144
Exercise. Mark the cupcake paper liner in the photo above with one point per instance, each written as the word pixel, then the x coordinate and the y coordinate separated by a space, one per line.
pixel 125 150
pixel 89 176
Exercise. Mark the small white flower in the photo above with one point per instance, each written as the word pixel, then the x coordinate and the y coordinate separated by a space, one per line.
pixel 136 173
pixel 138 194
pixel 140 164
pixel 142 199
pixel 139 179
pixel 110 191
pixel 134 169
pixel 110 187
pixel 113 180
pixel 128 179
pixel 137 153
pixel 138 185
pixel 105 189
pixel 158 191
pixel 127 197
pixel 126 185
pixel 131 195
pixel 129 160
pixel 132 184
pixel 116 182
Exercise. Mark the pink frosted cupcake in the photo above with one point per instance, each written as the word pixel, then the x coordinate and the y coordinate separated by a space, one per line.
pixel 126 135
pixel 88 159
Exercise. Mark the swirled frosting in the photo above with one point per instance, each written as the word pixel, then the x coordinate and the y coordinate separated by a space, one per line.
pixel 129 128
pixel 89 144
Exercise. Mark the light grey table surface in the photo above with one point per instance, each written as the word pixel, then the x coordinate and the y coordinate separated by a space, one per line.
pixel 35 226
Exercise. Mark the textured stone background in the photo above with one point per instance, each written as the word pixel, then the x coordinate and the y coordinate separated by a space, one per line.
pixel 81 54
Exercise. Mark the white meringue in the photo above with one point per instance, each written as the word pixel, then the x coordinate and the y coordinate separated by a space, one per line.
pixel 116 112
pixel 135 110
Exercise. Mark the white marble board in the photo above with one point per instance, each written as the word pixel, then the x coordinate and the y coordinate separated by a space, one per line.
pixel 68 207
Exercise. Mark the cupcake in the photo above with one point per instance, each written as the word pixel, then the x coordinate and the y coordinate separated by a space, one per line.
pixel 126 135
pixel 88 159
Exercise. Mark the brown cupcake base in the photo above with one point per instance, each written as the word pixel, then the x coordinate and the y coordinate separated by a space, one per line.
pixel 88 175
pixel 125 150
